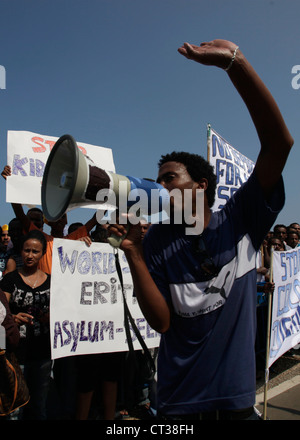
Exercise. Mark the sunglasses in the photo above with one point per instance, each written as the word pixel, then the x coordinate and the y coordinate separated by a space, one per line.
pixel 208 267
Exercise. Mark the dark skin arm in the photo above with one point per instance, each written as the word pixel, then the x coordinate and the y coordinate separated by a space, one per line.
pixel 151 301
pixel 17 207
pixel 90 224
pixel 275 141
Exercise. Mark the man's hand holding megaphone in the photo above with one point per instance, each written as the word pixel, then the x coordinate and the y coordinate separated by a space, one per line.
pixel 125 236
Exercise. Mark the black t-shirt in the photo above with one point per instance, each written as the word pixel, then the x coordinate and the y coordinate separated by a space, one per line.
pixel 34 338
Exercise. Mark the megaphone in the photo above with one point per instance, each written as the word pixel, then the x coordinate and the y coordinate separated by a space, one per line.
pixel 73 180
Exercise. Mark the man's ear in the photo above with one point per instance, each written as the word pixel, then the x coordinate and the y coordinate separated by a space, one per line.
pixel 202 184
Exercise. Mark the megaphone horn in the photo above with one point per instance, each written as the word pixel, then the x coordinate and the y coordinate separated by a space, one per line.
pixel 72 180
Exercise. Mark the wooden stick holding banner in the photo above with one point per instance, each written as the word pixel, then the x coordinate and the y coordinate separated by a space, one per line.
pixel 270 301
pixel 208 141
pixel 262 255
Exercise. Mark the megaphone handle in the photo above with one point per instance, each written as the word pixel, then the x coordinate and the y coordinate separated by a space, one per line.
pixel 115 240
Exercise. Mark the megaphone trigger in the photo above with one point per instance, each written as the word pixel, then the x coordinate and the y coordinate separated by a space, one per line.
pixel 115 240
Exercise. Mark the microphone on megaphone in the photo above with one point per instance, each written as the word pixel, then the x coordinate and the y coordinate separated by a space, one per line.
pixel 73 180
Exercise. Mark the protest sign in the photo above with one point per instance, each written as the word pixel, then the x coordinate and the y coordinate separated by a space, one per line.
pixel 231 167
pixel 86 306
pixel 285 322
pixel 27 154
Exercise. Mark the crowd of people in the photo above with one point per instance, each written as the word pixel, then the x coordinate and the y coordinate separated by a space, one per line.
pixel 199 291
pixel 26 252
pixel 281 238
pixel 25 291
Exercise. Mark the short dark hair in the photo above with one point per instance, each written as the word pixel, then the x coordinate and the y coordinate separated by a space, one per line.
pixel 74 226
pixel 197 167
pixel 279 226
pixel 35 209
pixel 35 234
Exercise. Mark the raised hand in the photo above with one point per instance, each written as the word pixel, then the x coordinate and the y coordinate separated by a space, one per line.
pixel 213 53
pixel 6 171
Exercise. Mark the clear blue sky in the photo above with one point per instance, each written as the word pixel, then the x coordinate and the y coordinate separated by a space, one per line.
pixel 108 72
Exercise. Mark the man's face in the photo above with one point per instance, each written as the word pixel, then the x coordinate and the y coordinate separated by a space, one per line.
pixel 144 229
pixel 57 227
pixel 175 178
pixel 60 223
pixel 174 175
pixel 281 233
pixel 5 238
pixel 15 230
pixel 37 219
pixel 292 240
pixel 296 227
pixel 277 244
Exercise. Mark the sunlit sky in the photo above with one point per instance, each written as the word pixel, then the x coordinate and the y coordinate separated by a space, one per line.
pixel 108 73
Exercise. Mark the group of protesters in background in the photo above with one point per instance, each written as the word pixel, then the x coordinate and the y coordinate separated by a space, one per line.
pixel 281 238
pixel 206 364
pixel 25 280
pixel 75 387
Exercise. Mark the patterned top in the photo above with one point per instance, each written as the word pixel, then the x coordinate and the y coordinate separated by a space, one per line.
pixel 35 337
pixel 207 357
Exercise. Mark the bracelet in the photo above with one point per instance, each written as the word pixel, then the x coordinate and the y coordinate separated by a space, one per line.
pixel 232 59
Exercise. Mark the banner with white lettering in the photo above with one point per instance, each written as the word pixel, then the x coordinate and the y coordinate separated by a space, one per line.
pixel 231 167
pixel 27 154
pixel 285 326
pixel 86 303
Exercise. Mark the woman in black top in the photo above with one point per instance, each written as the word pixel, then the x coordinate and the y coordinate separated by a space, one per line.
pixel 28 292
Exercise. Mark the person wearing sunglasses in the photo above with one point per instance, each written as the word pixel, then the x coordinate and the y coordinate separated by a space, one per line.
pixel 199 291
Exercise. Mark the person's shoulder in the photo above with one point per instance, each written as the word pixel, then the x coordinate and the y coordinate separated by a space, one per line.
pixel 10 252
pixel 11 274
pixel 9 278
pixel 79 233
pixel 32 227
pixel 47 280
